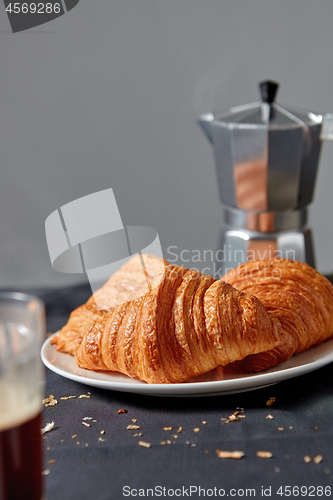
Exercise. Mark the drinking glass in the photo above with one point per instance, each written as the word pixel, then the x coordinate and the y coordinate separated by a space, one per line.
pixel 22 328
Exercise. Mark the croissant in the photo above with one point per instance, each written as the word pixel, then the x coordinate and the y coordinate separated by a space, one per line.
pixel 122 285
pixel 182 325
pixel 295 293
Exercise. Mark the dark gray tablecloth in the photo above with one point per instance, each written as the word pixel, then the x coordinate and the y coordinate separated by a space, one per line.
pixel 98 466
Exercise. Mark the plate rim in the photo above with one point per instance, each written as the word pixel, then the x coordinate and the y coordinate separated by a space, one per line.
pixel 204 388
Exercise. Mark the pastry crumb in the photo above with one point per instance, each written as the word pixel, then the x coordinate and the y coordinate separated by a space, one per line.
pixel 144 444
pixel 318 458
pixel 264 454
pixel 236 455
pixel 50 401
pixel 232 418
pixel 47 428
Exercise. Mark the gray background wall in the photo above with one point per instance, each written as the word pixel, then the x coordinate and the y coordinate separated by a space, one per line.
pixel 106 96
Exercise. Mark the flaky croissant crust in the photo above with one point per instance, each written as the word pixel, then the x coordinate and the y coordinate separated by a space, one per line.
pixel 121 286
pixel 184 325
pixel 298 295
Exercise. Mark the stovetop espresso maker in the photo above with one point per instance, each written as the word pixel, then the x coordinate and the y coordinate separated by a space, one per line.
pixel 267 158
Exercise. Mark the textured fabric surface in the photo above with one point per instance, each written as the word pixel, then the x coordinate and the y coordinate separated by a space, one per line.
pixel 94 465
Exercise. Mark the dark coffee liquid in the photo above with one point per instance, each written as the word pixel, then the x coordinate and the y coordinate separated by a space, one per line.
pixel 21 461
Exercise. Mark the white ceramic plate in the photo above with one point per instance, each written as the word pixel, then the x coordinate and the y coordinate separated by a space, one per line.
pixel 216 382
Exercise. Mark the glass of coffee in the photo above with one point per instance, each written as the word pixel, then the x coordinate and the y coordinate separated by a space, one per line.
pixel 22 328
